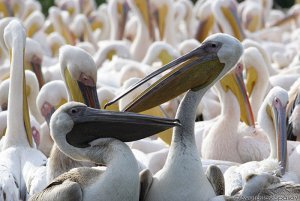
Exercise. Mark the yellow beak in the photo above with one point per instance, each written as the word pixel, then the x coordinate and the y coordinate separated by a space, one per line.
pixel 143 6
pixel 234 21
pixel 234 82
pixel 250 79
pixel 188 69
pixel 80 92
pixel 204 28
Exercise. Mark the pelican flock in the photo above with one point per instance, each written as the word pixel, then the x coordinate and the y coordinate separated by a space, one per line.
pixel 149 100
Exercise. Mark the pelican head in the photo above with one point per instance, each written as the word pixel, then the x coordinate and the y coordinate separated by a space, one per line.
pixel 161 13
pixel 55 41
pixel 234 82
pixel 225 12
pixel 197 70
pixel 34 58
pixel 34 22
pixel 276 102
pixel 118 11
pixel 51 96
pixel 143 10
pixel 206 20
pixel 80 74
pixel 74 125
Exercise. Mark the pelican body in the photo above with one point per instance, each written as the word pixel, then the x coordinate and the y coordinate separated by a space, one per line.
pixel 99 141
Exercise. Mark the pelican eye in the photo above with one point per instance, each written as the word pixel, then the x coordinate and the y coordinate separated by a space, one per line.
pixel 73 110
pixel 213 45
pixel 276 101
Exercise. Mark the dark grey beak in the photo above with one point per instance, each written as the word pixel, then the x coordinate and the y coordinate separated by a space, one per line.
pixel 91 124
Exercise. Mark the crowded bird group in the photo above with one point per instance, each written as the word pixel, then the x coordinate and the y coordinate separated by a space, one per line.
pixel 149 100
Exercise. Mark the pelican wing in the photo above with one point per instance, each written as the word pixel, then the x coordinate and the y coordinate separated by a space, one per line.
pixel 59 191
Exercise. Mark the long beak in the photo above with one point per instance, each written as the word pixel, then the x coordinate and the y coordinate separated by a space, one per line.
pixel 123 11
pixel 5 9
pixel 48 115
pixel 80 92
pixel 204 28
pixel 231 15
pixel 161 14
pixel 26 114
pixel 32 30
pixel 37 69
pixel 288 19
pixel 65 32
pixel 92 124
pixel 89 95
pixel 143 6
pixel 252 24
pixel 234 81
pixel 250 79
pixel 95 23
pixel 187 69
pixel 279 119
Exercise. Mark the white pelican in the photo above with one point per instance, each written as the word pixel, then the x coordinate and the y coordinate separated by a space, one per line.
pixel 52 95
pixel 117 12
pixel 29 7
pixel 33 59
pixel 68 5
pixel 205 16
pixel 226 15
pixel 293 126
pixel 251 43
pixel 184 19
pixel 83 30
pixel 144 35
pixel 109 49
pixel 34 23
pixel 55 41
pixel 120 180
pixel 251 15
pixel 257 78
pixel 79 72
pixel 165 14
pixel 17 151
pixel 100 24
pixel 208 63
pixel 4 55
pixel 293 112
pixel 276 102
pixel 234 104
pixel 60 26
